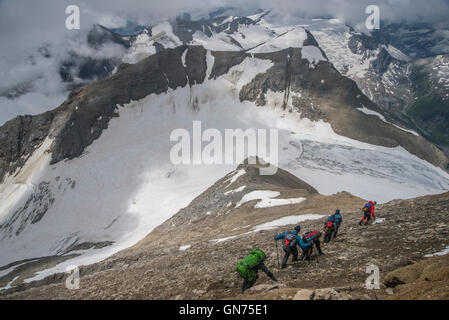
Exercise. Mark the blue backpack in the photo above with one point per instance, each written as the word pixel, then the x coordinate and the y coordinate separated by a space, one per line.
pixel 367 207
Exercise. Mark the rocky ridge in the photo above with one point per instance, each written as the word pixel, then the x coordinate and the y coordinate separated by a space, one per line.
pixel 195 259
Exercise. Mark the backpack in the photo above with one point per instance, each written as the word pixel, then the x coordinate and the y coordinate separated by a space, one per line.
pixel 289 240
pixel 246 268
pixel 311 234
pixel 328 226
pixel 366 208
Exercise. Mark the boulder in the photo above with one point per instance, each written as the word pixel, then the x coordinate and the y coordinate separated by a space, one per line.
pixel 303 294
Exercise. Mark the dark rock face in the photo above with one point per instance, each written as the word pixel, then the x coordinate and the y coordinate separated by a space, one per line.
pixel 292 73
pixel 225 60
pixel 310 41
pixel 19 137
pixel 429 109
pixel 382 61
pixel 184 29
pixel 418 40
pixel 359 43
pixel 87 111
pixel 100 35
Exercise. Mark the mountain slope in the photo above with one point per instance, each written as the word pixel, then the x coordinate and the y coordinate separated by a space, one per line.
pixel 111 140
pixel 382 63
pixel 195 257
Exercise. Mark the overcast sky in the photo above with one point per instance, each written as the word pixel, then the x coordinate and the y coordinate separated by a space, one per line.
pixel 26 25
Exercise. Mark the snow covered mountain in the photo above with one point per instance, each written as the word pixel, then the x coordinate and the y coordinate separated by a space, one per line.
pixel 93 176
pixel 391 66
pixel 384 64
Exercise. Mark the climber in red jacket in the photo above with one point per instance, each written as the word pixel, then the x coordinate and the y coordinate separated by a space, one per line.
pixel 368 211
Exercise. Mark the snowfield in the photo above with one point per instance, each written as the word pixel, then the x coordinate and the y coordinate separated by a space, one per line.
pixel 266 199
pixel 125 184
pixel 295 219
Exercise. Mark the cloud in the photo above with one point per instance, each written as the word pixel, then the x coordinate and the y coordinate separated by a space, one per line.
pixel 26 26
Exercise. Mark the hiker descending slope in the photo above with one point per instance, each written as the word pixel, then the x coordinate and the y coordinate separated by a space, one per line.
pixel 329 228
pixel 312 237
pixel 291 240
pixel 250 265
pixel 338 220
pixel 368 211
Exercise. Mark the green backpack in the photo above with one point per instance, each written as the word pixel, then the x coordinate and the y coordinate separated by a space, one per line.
pixel 246 267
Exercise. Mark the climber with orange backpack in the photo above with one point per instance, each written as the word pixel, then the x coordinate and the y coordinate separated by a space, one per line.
pixel 329 228
pixel 291 240
pixel 368 212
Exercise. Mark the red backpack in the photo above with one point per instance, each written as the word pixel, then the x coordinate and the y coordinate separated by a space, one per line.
pixel 311 234
pixel 329 224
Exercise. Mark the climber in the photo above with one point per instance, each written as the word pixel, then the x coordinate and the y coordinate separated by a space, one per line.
pixel 250 265
pixel 291 240
pixel 329 228
pixel 368 211
pixel 312 237
pixel 338 220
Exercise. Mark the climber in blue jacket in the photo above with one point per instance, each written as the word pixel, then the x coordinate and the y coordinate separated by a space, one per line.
pixel 338 220
pixel 291 240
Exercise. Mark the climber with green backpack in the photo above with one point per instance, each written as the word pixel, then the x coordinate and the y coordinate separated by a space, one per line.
pixel 249 267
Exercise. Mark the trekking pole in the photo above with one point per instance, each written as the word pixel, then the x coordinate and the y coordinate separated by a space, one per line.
pixel 277 252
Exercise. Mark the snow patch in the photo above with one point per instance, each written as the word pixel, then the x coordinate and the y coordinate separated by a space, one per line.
pixel 396 53
pixel 210 63
pixel 267 203
pixel 222 239
pixel 292 38
pixel 294 219
pixel 239 189
pixel 8 286
pixel 256 195
pixel 313 55
pixel 235 175
pixel 379 220
pixel 183 57
pixel 367 111
pixel 440 253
